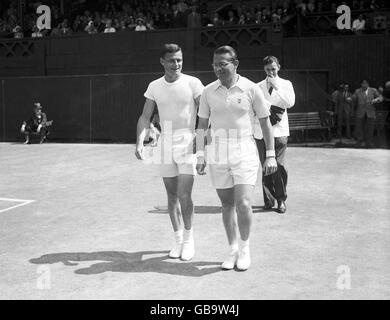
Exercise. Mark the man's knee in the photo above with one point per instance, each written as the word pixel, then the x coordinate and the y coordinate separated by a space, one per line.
pixel 172 196
pixel 184 195
pixel 227 203
pixel 243 205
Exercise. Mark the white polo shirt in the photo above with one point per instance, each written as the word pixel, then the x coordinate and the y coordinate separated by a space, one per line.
pixel 234 108
pixel 175 102
pixel 284 98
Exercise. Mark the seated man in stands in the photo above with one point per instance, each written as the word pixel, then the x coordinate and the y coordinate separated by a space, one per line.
pixel 37 124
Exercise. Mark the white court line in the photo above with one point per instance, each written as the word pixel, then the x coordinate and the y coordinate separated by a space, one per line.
pixel 24 202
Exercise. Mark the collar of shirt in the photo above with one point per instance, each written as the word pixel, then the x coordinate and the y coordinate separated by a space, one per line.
pixel 241 84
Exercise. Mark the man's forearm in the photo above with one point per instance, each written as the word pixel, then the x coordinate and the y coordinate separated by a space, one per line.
pixel 142 125
pixel 268 133
pixel 201 134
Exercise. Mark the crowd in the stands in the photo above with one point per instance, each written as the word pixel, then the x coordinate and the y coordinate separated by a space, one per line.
pixel 106 16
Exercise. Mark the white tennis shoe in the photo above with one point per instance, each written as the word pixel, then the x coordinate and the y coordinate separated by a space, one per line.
pixel 175 253
pixel 244 259
pixel 230 261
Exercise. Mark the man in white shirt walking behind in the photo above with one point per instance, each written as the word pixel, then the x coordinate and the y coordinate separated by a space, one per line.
pixel 280 94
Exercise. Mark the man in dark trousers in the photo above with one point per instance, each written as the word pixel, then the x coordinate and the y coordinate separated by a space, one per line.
pixel 280 94
pixel 343 109
pixel 364 100
pixel 36 124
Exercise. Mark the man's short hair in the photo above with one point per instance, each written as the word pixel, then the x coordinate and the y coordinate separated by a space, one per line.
pixel 270 59
pixel 364 80
pixel 169 48
pixel 227 49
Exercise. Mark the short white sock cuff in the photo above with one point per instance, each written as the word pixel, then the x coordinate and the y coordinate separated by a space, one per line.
pixel 244 244
pixel 188 234
pixel 179 235
pixel 234 247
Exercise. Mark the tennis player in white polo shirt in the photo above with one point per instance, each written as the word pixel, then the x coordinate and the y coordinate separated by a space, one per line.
pixel 230 103
pixel 176 96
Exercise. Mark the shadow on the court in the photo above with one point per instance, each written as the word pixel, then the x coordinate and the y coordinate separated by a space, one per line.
pixel 260 209
pixel 119 261
pixel 197 209
pixel 208 210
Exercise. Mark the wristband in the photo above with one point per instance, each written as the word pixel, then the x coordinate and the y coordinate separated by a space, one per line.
pixel 270 153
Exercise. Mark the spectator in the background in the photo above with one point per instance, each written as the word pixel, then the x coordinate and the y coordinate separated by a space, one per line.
pixel 36 33
pixel 65 30
pixel 140 25
pixel 334 96
pixel 265 16
pixel 249 18
pixel 37 124
pixel 149 23
pixel 18 32
pixel 77 25
pixel 277 15
pixel 5 28
pixel 90 28
pixel 386 96
pixel 286 9
pixel 122 25
pixel 343 109
pixel 109 28
pixel 364 100
pixel 178 18
pixel 311 6
pixel 194 19
pixel 182 6
pixel 56 31
pixel 258 17
pixel 301 7
pixel 386 107
pixel 359 24
pixel 216 21
pixel 232 20
pixel 242 19
pixel 131 25
pixel 166 19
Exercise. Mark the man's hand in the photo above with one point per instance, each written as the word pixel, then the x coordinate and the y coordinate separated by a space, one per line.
pixel 139 152
pixel 272 82
pixel 270 166
pixel 201 165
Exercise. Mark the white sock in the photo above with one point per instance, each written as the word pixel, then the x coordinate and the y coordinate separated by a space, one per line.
pixel 244 245
pixel 188 235
pixel 234 247
pixel 179 236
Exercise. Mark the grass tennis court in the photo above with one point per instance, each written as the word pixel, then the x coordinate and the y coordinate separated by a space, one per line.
pixel 97 229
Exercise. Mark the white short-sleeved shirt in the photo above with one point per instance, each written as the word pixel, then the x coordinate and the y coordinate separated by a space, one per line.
pixel 175 102
pixel 233 109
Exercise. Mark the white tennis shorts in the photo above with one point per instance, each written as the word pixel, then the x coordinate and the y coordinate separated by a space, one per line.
pixel 233 162
pixel 177 155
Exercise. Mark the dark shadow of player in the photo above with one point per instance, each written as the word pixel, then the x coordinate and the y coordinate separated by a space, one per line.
pixel 163 209
pixel 119 261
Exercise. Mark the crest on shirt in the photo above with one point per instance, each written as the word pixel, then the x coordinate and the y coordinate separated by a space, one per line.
pixel 239 100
